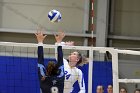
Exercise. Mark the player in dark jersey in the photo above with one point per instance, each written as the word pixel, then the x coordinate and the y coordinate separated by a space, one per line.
pixel 51 77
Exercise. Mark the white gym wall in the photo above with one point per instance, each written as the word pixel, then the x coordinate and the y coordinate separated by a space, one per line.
pixel 24 15
pixel 18 14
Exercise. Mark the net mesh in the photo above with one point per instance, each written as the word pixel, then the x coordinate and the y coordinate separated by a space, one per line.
pixel 18 68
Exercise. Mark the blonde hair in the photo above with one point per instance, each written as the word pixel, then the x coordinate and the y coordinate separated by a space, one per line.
pixel 82 59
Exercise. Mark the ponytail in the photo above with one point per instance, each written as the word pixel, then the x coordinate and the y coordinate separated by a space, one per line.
pixel 82 59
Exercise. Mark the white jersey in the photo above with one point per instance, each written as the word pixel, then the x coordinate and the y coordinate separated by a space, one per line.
pixel 72 74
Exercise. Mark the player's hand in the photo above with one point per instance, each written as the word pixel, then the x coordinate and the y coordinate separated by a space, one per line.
pixel 43 78
pixel 59 37
pixel 39 35
pixel 69 43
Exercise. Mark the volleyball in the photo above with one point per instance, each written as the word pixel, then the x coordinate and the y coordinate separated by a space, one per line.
pixel 54 16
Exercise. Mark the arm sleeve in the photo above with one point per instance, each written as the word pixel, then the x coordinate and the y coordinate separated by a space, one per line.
pixel 40 54
pixel 60 64
pixel 59 56
pixel 81 82
pixel 41 59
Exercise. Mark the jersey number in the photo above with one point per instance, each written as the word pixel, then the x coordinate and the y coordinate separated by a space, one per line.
pixel 67 75
pixel 54 90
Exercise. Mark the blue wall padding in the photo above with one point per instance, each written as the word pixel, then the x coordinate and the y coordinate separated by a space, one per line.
pixel 19 75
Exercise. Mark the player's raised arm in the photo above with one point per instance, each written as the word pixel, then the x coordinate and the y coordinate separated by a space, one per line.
pixel 59 38
pixel 40 38
pixel 60 56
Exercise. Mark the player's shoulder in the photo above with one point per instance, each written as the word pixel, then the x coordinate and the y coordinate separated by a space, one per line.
pixel 78 70
pixel 65 60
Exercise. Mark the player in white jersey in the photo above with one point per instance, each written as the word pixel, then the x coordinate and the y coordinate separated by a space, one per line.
pixel 72 73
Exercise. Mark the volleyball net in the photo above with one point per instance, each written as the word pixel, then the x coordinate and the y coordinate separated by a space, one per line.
pixel 105 66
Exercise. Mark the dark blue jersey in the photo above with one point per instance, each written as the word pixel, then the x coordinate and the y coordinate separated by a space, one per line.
pixel 52 83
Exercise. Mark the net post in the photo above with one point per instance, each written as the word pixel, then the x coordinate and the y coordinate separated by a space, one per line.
pixel 115 72
pixel 90 70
